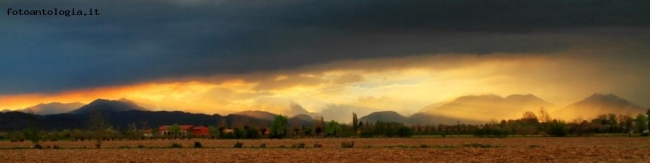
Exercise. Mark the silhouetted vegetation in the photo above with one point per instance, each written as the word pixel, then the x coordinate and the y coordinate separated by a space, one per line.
pixel 279 127
pixel 99 129
pixel 176 145
pixel 347 144
pixel 197 144
pixel 299 145
pixel 239 145
pixel 98 124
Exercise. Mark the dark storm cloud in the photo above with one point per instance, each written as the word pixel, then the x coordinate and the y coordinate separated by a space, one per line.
pixel 135 41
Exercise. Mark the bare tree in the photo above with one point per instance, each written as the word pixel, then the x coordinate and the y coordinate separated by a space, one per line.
pixel 32 132
pixel 529 117
pixel 98 123
pixel 544 117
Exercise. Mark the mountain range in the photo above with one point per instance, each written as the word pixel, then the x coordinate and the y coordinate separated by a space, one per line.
pixel 51 108
pixel 598 104
pixel 484 108
pixel 122 113
pixel 465 109
pixel 109 105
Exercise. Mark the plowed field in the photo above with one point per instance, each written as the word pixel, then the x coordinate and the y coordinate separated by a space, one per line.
pixel 594 149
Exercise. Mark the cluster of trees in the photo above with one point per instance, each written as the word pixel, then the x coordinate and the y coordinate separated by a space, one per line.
pixel 532 124
pixel 99 129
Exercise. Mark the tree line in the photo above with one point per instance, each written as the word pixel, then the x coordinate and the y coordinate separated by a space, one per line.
pixel 98 129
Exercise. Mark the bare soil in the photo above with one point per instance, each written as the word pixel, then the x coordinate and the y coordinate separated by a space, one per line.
pixel 590 149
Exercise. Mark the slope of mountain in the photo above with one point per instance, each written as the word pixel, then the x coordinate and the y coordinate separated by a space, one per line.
pixel 258 114
pixel 297 109
pixel 343 113
pixel 598 104
pixel 108 106
pixel 15 121
pixel 302 117
pixel 484 108
pixel 301 120
pixel 428 119
pixel 384 116
pixel 53 108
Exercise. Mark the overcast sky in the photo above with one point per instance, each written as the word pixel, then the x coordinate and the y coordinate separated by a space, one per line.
pixel 219 56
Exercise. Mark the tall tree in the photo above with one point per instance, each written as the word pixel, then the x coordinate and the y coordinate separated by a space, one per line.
pixel 355 122
pixel 648 116
pixel 175 129
pixel 333 128
pixel 32 132
pixel 530 118
pixel 279 126
pixel 641 122
pixel 544 116
pixel 98 124
pixel 322 121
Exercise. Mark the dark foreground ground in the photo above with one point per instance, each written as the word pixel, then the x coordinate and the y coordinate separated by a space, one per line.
pixel 610 149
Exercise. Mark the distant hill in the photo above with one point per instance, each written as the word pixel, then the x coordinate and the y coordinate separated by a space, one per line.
pixel 258 114
pixel 301 120
pixel 297 109
pixel 109 106
pixel 483 108
pixel 120 120
pixel 343 113
pixel 428 119
pixel 598 104
pixel 385 116
pixel 53 108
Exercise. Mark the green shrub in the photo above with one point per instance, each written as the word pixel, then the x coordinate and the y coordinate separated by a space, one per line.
pixel 176 145
pixel 445 146
pixel 301 145
pixel 140 146
pixel 262 145
pixel 197 144
pixel 557 128
pixel 347 144
pixel 477 145
pixel 367 134
pixel 404 132
pixel 491 132
pixel 239 144
pixel 317 145
pixel 424 146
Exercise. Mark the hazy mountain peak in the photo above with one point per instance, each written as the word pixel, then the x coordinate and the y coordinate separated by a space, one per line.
pixel 598 96
pixel 521 96
pixel 109 105
pixel 303 117
pixel 53 108
pixel 609 99
pixel 488 106
pixel 597 104
pixel 257 114
pixel 385 116
pixel 484 96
